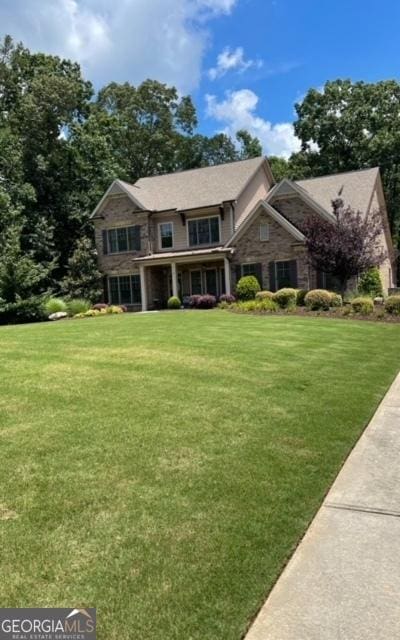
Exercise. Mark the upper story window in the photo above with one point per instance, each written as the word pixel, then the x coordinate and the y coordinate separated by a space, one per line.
pixel 121 240
pixel 203 231
pixel 264 232
pixel 166 230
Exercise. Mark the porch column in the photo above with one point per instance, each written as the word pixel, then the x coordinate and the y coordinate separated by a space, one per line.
pixel 174 280
pixel 227 267
pixel 143 287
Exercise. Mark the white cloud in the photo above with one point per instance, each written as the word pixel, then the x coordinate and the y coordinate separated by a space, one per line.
pixel 234 60
pixel 128 40
pixel 238 111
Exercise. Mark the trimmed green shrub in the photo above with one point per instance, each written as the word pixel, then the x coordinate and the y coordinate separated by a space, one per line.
pixel 285 298
pixel 29 310
pixel 300 296
pixel 79 305
pixel 53 305
pixel 336 299
pixel 174 303
pixel 318 299
pixel 264 295
pixel 363 305
pixel 370 283
pixel 250 306
pixel 392 304
pixel 247 288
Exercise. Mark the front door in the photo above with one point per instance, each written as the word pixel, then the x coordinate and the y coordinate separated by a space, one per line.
pixel 210 281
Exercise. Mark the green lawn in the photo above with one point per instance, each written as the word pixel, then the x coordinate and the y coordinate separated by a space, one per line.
pixel 162 467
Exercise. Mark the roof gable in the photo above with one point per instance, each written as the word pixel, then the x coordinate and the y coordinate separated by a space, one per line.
pixel 118 187
pixel 288 188
pixel 278 217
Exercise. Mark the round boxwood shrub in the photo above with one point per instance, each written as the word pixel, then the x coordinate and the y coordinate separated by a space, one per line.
pixel 300 296
pixel 247 288
pixel 318 299
pixel 174 303
pixel 336 299
pixel 264 295
pixel 363 305
pixel 285 298
pixel 392 304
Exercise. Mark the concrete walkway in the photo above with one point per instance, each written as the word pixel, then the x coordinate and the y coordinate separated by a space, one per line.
pixel 343 581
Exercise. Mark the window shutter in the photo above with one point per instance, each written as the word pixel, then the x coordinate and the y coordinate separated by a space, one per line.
pixel 105 289
pixel 134 238
pixel 238 269
pixel 272 279
pixel 293 273
pixel 105 243
pixel 258 273
pixel 320 279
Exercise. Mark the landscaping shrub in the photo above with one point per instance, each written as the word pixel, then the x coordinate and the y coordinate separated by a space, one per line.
pixel 300 296
pixel 318 299
pixel 363 305
pixel 193 301
pixel 114 308
pixel 247 288
pixel 336 299
pixel 392 304
pixel 29 310
pixel 370 283
pixel 53 305
pixel 227 297
pixel 249 306
pixel 92 313
pixel 79 305
pixel 379 301
pixel 285 298
pixel 174 303
pixel 262 295
pixel 100 306
pixel 206 302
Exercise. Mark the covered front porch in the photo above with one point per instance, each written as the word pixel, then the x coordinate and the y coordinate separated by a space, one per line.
pixel 182 275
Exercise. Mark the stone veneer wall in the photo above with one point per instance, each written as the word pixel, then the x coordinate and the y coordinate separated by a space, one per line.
pixel 294 209
pixel 280 246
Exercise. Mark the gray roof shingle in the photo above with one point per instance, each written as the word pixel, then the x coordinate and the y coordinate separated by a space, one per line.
pixel 194 188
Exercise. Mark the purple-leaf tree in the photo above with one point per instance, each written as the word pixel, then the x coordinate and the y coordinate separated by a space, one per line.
pixel 347 247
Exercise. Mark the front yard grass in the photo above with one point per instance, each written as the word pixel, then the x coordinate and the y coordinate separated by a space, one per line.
pixel 163 467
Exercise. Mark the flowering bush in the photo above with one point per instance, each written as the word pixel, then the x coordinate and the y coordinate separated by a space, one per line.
pixel 247 288
pixel 285 298
pixel 206 302
pixel 318 299
pixel 99 306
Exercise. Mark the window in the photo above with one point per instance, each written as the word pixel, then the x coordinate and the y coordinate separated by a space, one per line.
pixel 264 232
pixel 283 274
pixel 249 269
pixel 203 231
pixel 125 289
pixel 195 283
pixel 121 240
pixel 166 230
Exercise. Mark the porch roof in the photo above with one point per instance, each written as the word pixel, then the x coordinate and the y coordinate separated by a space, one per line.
pixel 185 256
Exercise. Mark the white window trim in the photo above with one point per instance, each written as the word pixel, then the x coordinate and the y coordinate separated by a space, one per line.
pixel 203 244
pixel 117 253
pixel 265 225
pixel 161 248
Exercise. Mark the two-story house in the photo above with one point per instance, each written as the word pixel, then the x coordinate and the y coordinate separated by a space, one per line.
pixel 199 231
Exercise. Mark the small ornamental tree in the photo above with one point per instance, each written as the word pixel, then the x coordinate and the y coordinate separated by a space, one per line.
pixel 346 247
pixel 83 279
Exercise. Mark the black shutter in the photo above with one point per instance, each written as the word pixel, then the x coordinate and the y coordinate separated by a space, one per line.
pixel 293 273
pixel 320 279
pixel 272 279
pixel 105 289
pixel 258 273
pixel 105 243
pixel 134 238
pixel 238 269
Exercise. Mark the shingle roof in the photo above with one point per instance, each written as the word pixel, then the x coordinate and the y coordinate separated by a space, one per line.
pixel 194 188
pixel 354 187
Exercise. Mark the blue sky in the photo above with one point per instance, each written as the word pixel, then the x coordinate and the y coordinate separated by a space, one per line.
pixel 245 62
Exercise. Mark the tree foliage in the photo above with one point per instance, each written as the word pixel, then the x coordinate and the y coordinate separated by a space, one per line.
pixel 346 247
